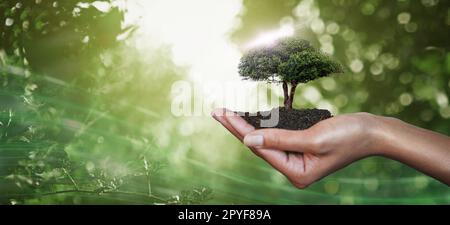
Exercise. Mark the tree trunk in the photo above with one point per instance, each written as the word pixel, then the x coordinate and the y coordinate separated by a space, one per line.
pixel 286 94
pixel 291 95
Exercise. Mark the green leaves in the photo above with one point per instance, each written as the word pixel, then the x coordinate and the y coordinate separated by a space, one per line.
pixel 308 65
pixel 259 64
pixel 195 196
pixel 290 59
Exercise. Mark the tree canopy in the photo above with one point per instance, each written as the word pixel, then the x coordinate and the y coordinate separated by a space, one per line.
pixel 291 60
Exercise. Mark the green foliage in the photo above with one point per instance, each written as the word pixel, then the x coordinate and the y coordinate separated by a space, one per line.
pixel 291 60
pixel 259 64
pixel 48 49
pixel 195 196
pixel 64 30
pixel 74 115
pixel 306 66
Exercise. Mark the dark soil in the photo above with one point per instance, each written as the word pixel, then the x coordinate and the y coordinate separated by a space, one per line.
pixel 290 119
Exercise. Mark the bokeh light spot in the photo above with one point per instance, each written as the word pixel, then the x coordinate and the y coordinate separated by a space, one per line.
pixel 421 182
pixel 9 22
pixel 356 66
pixel 328 83
pixel 442 99
pixel 331 187
pixel 333 28
pixel 430 3
pixel 376 68
pixel 426 115
pixel 367 8
pixel 341 100
pixel 406 99
pixel 318 26
pixel 371 184
pixel 404 18
pixel 411 27
pixel 312 94
pixel 445 112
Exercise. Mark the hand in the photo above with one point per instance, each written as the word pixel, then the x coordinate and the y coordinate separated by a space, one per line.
pixel 309 155
pixel 306 156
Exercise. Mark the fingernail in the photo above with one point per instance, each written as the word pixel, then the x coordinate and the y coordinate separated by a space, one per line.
pixel 254 140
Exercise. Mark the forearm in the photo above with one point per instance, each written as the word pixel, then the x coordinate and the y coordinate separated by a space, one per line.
pixel 421 149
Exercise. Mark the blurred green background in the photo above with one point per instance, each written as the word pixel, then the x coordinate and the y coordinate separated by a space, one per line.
pixel 85 98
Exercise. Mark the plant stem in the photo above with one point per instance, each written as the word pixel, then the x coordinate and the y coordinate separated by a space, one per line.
pixel 71 179
pixel 149 184
pixel 147 173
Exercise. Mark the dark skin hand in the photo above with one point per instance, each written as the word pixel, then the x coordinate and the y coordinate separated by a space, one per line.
pixel 306 156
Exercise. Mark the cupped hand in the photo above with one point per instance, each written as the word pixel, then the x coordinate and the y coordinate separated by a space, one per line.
pixel 308 155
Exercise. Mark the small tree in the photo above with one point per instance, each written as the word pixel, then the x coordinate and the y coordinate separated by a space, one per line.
pixel 289 61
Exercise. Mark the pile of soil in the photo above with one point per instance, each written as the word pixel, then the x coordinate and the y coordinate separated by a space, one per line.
pixel 290 119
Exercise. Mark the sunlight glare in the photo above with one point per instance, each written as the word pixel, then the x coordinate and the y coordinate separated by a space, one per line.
pixel 196 31
pixel 268 38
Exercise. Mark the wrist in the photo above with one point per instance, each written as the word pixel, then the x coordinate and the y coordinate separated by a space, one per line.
pixel 369 135
pixel 382 135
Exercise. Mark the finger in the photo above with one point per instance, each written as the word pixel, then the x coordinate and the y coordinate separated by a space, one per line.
pixel 243 128
pixel 286 140
pixel 279 160
pixel 219 115
pixel 301 169
pixel 239 124
pixel 282 161
pixel 239 127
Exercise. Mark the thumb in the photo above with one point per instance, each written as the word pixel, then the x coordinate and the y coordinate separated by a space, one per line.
pixel 285 140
